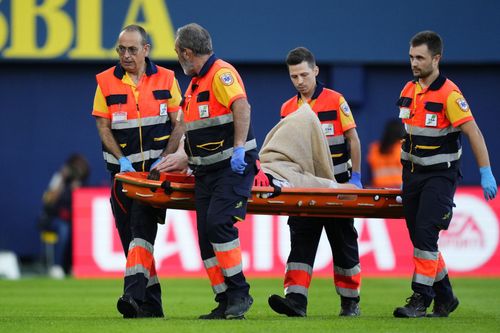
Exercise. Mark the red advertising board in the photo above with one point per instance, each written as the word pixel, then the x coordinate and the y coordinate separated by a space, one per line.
pixel 470 246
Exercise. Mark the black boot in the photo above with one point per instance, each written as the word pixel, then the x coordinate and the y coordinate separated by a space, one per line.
pixel 292 306
pixel 238 306
pixel 217 313
pixel 349 307
pixel 415 307
pixel 129 308
pixel 441 309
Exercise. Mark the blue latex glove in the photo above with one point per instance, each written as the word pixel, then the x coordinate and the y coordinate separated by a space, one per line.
pixel 155 163
pixel 356 179
pixel 125 164
pixel 488 183
pixel 238 163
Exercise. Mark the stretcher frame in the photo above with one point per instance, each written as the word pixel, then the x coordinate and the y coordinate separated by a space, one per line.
pixel 176 191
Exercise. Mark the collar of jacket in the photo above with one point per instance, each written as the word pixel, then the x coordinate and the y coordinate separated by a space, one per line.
pixel 206 67
pixel 317 91
pixel 437 84
pixel 150 69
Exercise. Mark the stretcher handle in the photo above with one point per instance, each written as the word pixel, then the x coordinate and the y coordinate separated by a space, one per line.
pixel 167 187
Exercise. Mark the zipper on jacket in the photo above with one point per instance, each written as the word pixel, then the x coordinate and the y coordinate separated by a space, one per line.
pixel 139 122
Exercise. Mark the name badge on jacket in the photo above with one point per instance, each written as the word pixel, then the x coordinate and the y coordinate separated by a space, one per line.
pixel 119 117
pixel 163 109
pixel 431 120
pixel 327 129
pixel 203 111
pixel 404 113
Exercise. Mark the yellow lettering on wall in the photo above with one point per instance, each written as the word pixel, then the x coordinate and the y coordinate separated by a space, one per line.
pixel 89 32
pixel 3 30
pixel 158 25
pixel 59 28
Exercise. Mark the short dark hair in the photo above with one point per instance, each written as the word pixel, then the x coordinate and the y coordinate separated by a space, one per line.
pixel 194 37
pixel 431 39
pixel 300 54
pixel 140 30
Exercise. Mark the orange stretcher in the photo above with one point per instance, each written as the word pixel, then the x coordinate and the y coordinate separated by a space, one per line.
pixel 176 191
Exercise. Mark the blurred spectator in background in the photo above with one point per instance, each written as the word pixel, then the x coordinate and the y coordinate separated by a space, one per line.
pixel 55 220
pixel 384 156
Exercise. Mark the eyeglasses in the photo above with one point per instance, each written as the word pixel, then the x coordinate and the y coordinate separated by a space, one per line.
pixel 131 50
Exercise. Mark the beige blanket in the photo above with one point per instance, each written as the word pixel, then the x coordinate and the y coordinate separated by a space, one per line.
pixel 296 150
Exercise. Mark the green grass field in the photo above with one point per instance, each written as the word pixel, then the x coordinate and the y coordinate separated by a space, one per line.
pixel 42 305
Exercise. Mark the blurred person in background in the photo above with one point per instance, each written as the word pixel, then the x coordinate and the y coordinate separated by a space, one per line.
pixel 136 107
pixel 384 156
pixel 56 217
pixel 435 114
pixel 339 128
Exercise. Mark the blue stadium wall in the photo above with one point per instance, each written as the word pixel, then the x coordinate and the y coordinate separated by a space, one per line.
pixel 46 100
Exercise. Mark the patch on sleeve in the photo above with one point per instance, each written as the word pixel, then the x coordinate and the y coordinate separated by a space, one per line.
pixel 227 78
pixel 462 104
pixel 345 108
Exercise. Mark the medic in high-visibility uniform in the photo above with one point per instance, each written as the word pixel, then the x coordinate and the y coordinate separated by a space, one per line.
pixel 135 107
pixel 339 128
pixel 221 152
pixel 434 113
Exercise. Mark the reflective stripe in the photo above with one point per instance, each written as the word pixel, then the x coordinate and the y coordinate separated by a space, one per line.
pixel 134 123
pixel 435 159
pixel 340 168
pixel 335 140
pixel 134 158
pixel 440 275
pixel 221 247
pixel 214 273
pixel 297 290
pixel 442 271
pixel 221 156
pixel 152 281
pixel 210 262
pixel 425 254
pixel 142 243
pixel 220 288
pixel 346 292
pixel 347 271
pixel 136 270
pixel 423 279
pixel 299 267
pixel 209 122
pixel 432 132
pixel 228 272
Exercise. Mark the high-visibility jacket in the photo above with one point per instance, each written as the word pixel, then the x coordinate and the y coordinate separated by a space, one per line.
pixel 327 107
pixel 386 168
pixel 431 142
pixel 209 124
pixel 141 129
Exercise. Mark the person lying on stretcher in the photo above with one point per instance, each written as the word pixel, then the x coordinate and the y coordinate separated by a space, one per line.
pixel 295 153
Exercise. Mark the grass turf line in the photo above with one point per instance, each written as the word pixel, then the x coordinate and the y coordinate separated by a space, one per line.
pixel 43 305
